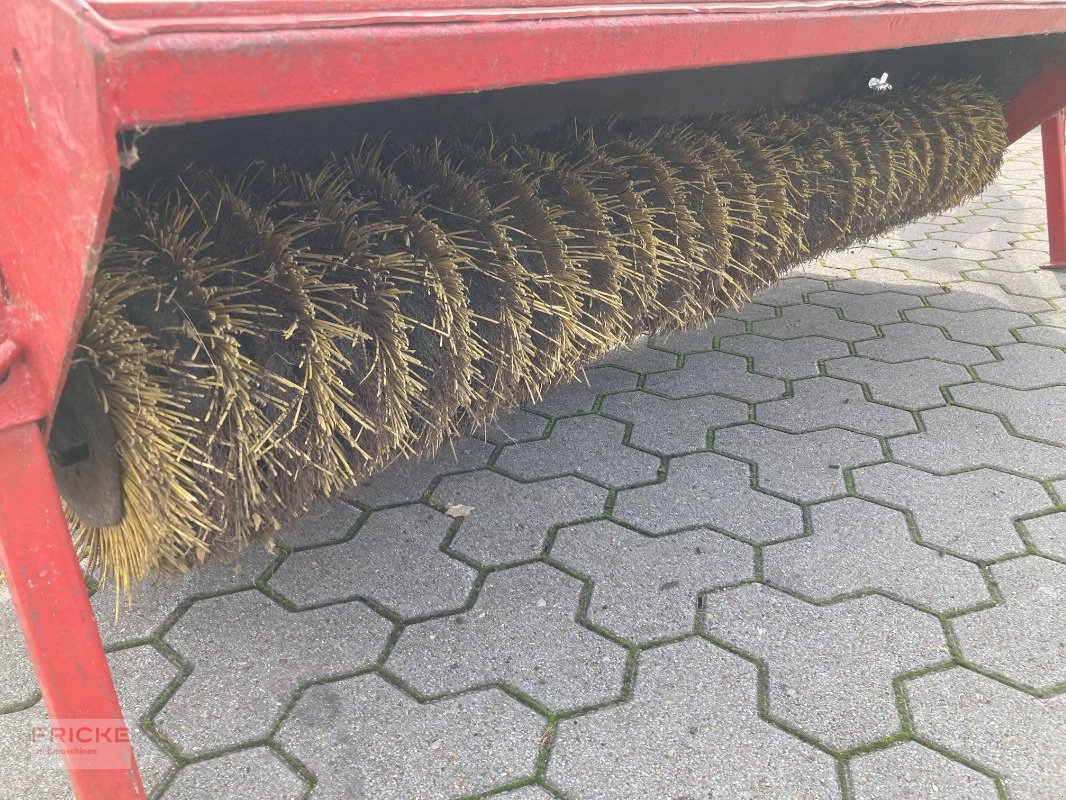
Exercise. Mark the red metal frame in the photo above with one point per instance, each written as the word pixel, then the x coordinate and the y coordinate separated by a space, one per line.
pixel 74 72
pixel 1053 134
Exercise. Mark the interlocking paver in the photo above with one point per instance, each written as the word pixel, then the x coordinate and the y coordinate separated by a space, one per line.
pixel 645 587
pixel 526 793
pixel 1043 334
pixel 811 320
pixel 1034 283
pixel 408 480
pixel 248 655
pixel 856 258
pixel 1015 734
pixel 669 426
pixel 830 402
pixel 857 545
pixel 939 271
pixel 721 373
pixel 971 514
pixel 709 489
pixel 879 308
pixel 366 740
pixel 830 668
pixel 17 682
pixel 637 356
pixel 985 327
pixel 909 771
pixel 669 740
pixel 517 425
pixel 874 280
pixel 1024 637
pixel 701 340
pixel 973 296
pixel 589 446
pixel 1025 409
pixel 786 358
pixel 510 520
pixel 1026 366
pixel 581 393
pixel 913 385
pixel 903 341
pixel 1048 533
pixel 520 632
pixel 955 439
pixel 256 772
pixel 789 290
pixel 379 562
pixel 803 466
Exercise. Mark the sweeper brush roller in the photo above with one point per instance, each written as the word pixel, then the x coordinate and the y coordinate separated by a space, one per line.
pixel 261 336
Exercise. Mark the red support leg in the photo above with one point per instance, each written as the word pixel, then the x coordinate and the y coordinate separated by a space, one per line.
pixel 1053 133
pixel 52 604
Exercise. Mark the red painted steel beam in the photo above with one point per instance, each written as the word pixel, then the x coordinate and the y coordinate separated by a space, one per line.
pixel 1053 134
pixel 198 74
pixel 53 608
pixel 1042 97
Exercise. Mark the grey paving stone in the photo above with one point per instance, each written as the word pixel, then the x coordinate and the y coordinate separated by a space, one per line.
pixel 786 358
pixel 670 426
pixel 974 296
pixel 1017 260
pixel 805 466
pixel 366 740
pixel 639 357
pixel 1019 736
pixel 912 385
pixel 1024 637
pixel 522 633
pixel 709 489
pixel 875 280
pixel 879 308
pixel 789 291
pixel 394 559
pixel 701 339
pixel 1035 283
pixel 812 320
pixel 408 479
pixel 720 373
pixel 909 771
pixel 248 655
pixel 581 393
pixel 1048 533
pixel 1026 366
pixel 830 402
pixel 645 588
pixel 517 425
pixel 257 772
pixel 329 519
pixel 691 729
pixel 857 545
pixel 971 514
pixel 905 341
pixel 861 258
pixel 958 438
pixel 830 668
pixel 527 793
pixel 26 777
pixel 989 326
pixel 1043 334
pixel 748 312
pixel 17 682
pixel 1027 410
pixel 510 520
pixel 587 446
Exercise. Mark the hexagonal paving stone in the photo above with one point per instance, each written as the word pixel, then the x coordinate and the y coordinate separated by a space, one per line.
pixel 1026 366
pixel 971 514
pixel 691 729
pixel 786 358
pixel 645 588
pixel 985 327
pixel 257 772
pixel 1024 637
pixel 913 385
pixel 709 489
pixel 811 320
pixel 520 632
pixel 718 373
pixel 879 308
pixel 874 280
pixel 700 339
pixel 1048 533
pixel 248 655
pixel 1025 409
pixel 408 479
pixel 526 793
pixel 580 393
pixel 861 257
pixel 510 520
pixel 909 771
pixel 381 562
pixel 1018 736
pixel 639 357
pixel 832 403
pixel 1035 283
pixel 803 466
pixel 830 668
pixel 906 341
pixel 857 545
pixel 516 425
pixel 970 296
pixel 364 738
pixel 590 447
pixel 1042 334
pixel 957 438
pixel 670 426
pixel 789 290
pixel 17 682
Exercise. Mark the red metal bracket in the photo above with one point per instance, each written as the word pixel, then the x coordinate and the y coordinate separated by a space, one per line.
pixel 1053 134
